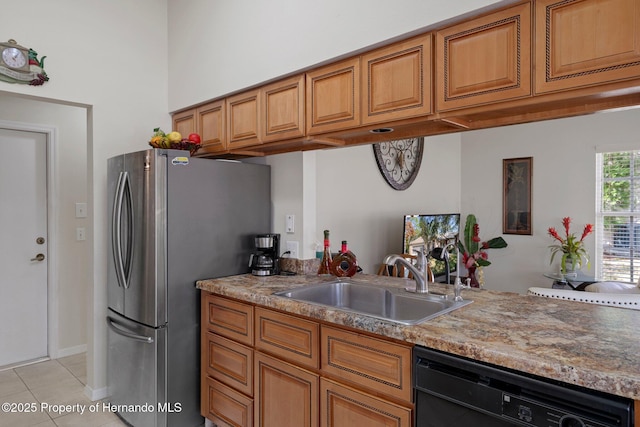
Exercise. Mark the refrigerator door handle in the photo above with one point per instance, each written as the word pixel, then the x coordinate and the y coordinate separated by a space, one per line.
pixel 116 236
pixel 123 269
pixel 119 329
pixel 126 190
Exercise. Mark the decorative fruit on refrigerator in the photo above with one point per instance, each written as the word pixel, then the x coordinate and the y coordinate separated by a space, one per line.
pixel 194 137
pixel 174 136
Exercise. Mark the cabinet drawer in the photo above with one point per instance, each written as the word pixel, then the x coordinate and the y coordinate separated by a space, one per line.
pixel 228 318
pixel 225 406
pixel 287 336
pixel 378 365
pixel 343 406
pixel 229 362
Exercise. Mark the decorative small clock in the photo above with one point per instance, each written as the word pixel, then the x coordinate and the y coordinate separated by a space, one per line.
pixel 21 65
pixel 399 161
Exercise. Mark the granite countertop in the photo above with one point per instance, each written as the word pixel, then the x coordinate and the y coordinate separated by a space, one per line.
pixel 588 345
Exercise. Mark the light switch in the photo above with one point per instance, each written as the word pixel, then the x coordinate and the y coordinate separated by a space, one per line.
pixel 80 234
pixel 290 223
pixel 81 210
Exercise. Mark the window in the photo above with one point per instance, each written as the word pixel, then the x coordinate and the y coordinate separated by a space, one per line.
pixel 618 216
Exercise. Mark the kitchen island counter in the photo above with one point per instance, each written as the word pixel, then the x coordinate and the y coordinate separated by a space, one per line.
pixel 588 345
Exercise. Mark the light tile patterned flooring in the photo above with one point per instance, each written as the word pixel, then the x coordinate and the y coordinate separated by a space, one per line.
pixel 49 383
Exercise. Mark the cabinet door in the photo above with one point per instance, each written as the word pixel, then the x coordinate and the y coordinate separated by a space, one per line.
pixel 225 406
pixel 583 43
pixel 396 81
pixel 211 126
pixel 484 60
pixel 283 109
pixel 185 122
pixel 243 119
pixel 342 406
pixel 285 395
pixel 333 97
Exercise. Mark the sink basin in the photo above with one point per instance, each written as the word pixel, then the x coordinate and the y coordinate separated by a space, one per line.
pixel 393 304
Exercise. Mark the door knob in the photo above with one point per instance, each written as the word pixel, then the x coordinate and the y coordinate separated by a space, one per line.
pixel 39 257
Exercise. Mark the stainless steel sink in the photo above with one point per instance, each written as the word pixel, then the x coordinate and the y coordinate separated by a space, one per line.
pixel 393 304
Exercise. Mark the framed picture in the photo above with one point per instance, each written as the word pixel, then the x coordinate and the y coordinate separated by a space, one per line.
pixel 516 195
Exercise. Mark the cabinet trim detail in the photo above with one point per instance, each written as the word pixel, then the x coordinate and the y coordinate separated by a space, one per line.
pixel 517 84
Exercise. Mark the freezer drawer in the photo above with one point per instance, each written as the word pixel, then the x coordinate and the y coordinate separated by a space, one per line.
pixel 136 371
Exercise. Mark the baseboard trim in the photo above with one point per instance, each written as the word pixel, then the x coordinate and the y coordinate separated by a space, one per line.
pixel 97 394
pixel 70 351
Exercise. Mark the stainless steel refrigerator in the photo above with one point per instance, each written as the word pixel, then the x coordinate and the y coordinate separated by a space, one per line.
pixel 174 219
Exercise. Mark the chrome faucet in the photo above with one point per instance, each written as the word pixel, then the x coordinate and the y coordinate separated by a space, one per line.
pixel 420 270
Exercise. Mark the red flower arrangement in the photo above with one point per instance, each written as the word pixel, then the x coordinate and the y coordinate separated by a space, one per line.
pixel 570 246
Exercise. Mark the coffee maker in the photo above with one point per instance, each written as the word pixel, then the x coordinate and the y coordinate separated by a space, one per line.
pixel 265 260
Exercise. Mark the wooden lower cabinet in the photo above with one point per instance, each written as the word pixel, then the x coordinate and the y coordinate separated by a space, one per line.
pixel 342 406
pixel 229 362
pixel 225 406
pixel 282 380
pixel 285 395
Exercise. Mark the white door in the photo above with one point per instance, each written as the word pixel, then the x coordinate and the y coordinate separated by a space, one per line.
pixel 23 246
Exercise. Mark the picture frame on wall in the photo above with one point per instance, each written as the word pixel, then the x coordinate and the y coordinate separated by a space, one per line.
pixel 516 195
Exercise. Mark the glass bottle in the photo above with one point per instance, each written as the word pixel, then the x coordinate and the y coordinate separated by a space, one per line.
pixel 325 264
pixel 345 263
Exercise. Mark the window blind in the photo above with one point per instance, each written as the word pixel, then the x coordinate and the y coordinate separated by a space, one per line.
pixel 618 216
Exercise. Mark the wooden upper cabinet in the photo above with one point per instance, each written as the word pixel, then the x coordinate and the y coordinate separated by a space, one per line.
pixel 185 122
pixel 584 43
pixel 211 126
pixel 333 97
pixel 484 60
pixel 396 81
pixel 283 109
pixel 243 119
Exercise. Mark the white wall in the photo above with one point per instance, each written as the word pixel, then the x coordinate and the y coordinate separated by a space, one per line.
pixel 109 57
pixel 564 173
pixel 356 204
pixel 219 47
pixel 73 257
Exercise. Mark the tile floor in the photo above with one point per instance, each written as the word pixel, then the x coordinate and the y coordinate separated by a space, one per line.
pixel 53 382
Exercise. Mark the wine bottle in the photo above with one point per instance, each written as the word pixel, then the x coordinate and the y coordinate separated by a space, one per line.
pixel 325 264
pixel 345 263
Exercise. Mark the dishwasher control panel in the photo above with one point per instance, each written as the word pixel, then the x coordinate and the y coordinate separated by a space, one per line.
pixel 537 414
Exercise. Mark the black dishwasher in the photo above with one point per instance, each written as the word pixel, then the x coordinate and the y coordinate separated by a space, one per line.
pixel 451 391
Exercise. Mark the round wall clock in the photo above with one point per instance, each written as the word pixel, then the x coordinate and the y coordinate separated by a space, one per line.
pixel 399 161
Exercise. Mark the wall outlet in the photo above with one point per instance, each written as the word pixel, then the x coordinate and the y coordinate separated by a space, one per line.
pixel 292 247
pixel 80 234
